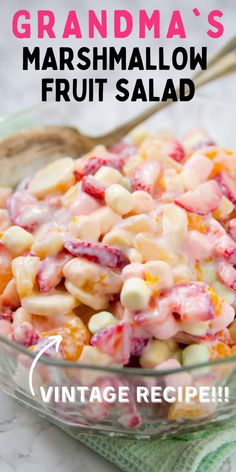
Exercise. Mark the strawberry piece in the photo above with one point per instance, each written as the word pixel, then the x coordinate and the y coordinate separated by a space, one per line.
pixel 115 341
pixel 78 175
pixel 175 150
pixel 26 211
pixel 222 243
pixel 227 274
pixel 101 254
pixel 197 246
pixel 7 315
pixel 17 207
pixel 10 297
pixel 145 177
pixel 227 184
pixel 139 340
pixel 93 187
pixel 188 302
pixel 203 200
pixel 138 345
pixel 114 160
pixel 225 247
pixel 126 149
pixel 50 272
pixel 94 163
pixel 25 334
pixel 92 166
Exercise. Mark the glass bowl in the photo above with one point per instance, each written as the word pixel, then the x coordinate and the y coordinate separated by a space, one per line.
pixel 140 419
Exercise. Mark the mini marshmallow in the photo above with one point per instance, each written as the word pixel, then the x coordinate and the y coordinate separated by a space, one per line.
pixel 133 270
pixel 119 199
pixel 17 240
pixel 125 182
pixel 195 354
pixel 135 294
pixel 158 275
pixel 143 202
pixel 84 227
pixel 108 175
pixel 100 321
pixel 154 353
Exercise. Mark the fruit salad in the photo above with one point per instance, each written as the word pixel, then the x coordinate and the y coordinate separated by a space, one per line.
pixel 128 253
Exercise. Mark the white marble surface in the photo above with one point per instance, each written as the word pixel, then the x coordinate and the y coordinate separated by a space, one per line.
pixel 28 443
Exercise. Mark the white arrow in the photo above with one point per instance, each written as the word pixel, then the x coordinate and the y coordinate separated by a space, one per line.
pixel 53 340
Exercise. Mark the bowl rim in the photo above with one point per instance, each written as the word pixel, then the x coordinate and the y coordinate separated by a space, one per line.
pixel 127 371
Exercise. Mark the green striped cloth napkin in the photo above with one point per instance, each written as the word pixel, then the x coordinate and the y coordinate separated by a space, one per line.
pixel 203 451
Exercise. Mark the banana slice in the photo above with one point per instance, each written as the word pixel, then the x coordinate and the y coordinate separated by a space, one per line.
pixel 57 176
pixel 49 304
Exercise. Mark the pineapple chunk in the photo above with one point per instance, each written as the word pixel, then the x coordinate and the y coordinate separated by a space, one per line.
pixel 224 292
pixel 224 209
pixel 17 240
pixel 24 272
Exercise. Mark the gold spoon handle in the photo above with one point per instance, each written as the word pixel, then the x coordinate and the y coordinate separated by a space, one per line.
pixel 230 46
